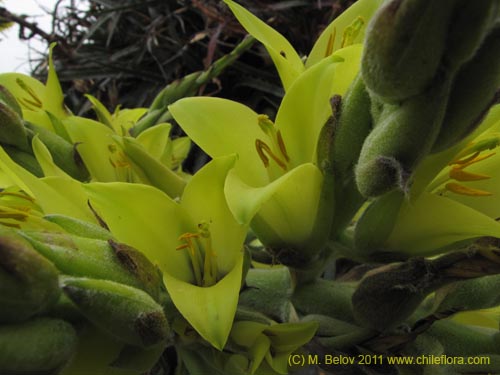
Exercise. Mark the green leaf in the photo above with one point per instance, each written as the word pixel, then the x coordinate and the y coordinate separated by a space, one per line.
pixel 282 211
pixel 285 58
pixel 330 39
pixel 147 219
pixel 223 127
pixel 433 222
pixel 209 310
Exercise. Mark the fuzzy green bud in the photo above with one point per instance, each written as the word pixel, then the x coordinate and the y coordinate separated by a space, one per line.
pixel 388 295
pixel 404 45
pixel 127 313
pixel 398 143
pixel 38 346
pixel 472 94
pixel 28 282
pixel 109 260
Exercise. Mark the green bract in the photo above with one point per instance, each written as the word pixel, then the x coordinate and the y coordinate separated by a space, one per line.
pixel 196 243
pixel 275 184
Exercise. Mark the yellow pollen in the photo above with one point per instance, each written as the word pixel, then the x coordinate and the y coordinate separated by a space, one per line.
pixel 203 260
pixel 465 190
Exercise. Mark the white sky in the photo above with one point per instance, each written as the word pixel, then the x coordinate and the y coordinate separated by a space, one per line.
pixel 14 52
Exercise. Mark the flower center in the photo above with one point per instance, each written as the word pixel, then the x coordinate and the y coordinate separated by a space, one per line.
pixel 458 176
pixel 276 151
pixel 201 254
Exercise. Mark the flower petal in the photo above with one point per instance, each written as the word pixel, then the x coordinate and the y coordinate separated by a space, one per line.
pixel 285 58
pixel 223 127
pixel 204 201
pixel 330 39
pixel 306 106
pixel 93 139
pixel 145 218
pixel 53 99
pixel 285 209
pixel 155 139
pixel 44 158
pixel 430 167
pixel 213 313
pixel 32 113
pixel 434 222
pixel 55 195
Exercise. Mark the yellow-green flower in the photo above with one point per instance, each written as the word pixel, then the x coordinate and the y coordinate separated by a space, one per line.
pixel 455 196
pixel 195 242
pixel 275 183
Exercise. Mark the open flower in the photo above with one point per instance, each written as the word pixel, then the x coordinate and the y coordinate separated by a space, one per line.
pixel 455 196
pixel 275 183
pixel 345 30
pixel 195 242
pixel 104 147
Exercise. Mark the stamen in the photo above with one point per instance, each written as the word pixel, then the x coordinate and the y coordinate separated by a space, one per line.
pixel 281 146
pixel 482 145
pixel 466 160
pixel 331 40
pixel 195 262
pixel 17 195
pixel 36 102
pixel 457 173
pixel 210 264
pixel 202 255
pixel 262 147
pixel 464 190
pixel 266 124
pixel 352 31
pixel 259 145
pixel 19 216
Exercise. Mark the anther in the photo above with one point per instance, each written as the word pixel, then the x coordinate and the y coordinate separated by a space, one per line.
pixel 281 145
pixel 263 149
pixel 464 190
pixel 331 40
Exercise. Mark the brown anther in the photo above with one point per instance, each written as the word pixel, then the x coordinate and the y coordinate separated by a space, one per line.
pixel 262 149
pixel 329 45
pixel 281 145
pixel 466 160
